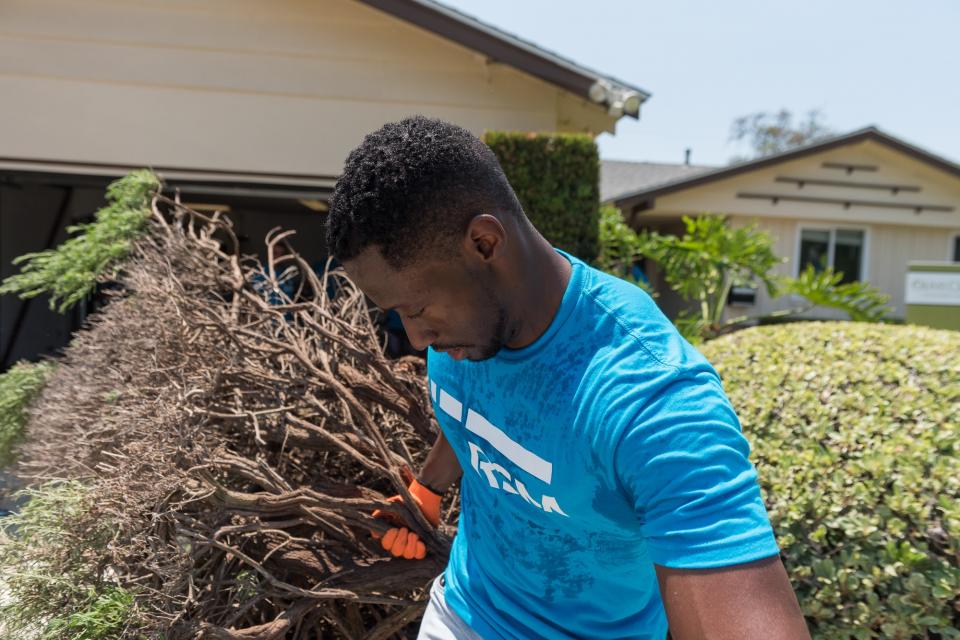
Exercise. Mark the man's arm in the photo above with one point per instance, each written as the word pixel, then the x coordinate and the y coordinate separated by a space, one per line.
pixel 441 468
pixel 685 464
pixel 750 601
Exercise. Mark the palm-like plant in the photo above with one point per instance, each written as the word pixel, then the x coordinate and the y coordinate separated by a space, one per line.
pixel 711 258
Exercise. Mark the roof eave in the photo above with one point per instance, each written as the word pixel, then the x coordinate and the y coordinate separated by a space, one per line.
pixel 618 97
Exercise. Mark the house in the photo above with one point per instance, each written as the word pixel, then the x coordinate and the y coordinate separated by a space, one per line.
pixel 865 203
pixel 244 106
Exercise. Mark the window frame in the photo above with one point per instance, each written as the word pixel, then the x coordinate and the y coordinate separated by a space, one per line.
pixel 832 245
pixel 953 249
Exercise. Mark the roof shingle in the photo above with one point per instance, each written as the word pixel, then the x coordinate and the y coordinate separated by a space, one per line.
pixel 620 177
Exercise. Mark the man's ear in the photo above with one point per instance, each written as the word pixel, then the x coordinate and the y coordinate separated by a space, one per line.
pixel 485 238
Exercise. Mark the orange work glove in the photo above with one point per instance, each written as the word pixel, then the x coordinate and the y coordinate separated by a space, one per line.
pixel 400 541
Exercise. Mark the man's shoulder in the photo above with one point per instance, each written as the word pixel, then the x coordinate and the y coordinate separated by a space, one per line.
pixel 630 329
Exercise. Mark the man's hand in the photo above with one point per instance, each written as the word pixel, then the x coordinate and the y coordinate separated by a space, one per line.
pixel 751 601
pixel 400 541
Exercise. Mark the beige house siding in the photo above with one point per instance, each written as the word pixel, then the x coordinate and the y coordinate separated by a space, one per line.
pixel 721 196
pixel 888 250
pixel 287 86
pixel 892 247
pixel 893 236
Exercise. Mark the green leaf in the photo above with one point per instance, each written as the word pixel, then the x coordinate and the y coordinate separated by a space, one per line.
pixel 70 272
pixel 854 431
pixel 822 288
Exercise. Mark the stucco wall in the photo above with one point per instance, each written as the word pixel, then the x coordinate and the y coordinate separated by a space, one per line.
pixel 287 86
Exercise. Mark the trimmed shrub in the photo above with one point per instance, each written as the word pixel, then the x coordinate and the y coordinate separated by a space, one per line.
pixel 103 617
pixel 556 179
pixel 71 271
pixel 52 574
pixel 18 387
pixel 855 430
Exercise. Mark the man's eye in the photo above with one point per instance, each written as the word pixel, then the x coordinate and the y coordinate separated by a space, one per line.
pixel 416 314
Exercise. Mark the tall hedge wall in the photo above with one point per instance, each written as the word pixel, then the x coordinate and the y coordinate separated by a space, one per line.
pixel 556 178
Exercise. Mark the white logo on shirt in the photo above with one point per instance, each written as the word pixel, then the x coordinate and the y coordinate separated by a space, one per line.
pixel 497 476
pixel 492 470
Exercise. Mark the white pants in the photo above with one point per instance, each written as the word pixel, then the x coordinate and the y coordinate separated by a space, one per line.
pixel 439 620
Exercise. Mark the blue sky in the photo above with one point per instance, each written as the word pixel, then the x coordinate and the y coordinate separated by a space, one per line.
pixel 894 64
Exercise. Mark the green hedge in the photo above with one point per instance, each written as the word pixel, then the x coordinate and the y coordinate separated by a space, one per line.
pixel 855 430
pixel 53 574
pixel 18 387
pixel 69 272
pixel 556 179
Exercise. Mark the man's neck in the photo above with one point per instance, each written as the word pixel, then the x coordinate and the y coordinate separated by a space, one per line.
pixel 545 274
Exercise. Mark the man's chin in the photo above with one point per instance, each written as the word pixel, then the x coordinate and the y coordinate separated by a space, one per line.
pixel 458 354
pixel 478 355
pixel 473 354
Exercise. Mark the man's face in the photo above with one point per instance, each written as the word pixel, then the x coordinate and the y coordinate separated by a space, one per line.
pixel 449 304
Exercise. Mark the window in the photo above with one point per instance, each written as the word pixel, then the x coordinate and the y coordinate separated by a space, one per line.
pixel 842 249
pixel 956 248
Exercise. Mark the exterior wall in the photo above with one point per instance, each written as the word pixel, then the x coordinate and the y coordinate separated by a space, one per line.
pixel 893 168
pixel 892 247
pixel 287 86
pixel 888 250
pixel 893 237
pixel 784 234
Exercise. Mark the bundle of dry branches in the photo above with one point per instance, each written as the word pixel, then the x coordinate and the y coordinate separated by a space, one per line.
pixel 240 438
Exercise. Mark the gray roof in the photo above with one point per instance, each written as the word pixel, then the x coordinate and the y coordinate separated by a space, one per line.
pixel 621 177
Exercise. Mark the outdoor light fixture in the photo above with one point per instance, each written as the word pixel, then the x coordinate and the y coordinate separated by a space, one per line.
pixel 631 103
pixel 619 101
pixel 599 91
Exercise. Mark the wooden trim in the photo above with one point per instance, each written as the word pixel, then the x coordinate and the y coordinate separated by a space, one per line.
pixel 847 203
pixel 42 165
pixel 849 168
pixel 894 188
pixel 187 186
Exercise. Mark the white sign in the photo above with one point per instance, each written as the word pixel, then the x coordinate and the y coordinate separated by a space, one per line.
pixel 933 287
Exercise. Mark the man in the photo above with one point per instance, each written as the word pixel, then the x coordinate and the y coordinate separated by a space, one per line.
pixel 605 488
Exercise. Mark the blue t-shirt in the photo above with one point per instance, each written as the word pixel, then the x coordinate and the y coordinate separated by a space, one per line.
pixel 605 446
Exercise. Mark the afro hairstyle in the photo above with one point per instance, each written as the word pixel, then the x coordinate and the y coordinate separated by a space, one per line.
pixel 411 189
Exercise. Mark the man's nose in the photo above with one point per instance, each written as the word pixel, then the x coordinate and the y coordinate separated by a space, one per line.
pixel 419 335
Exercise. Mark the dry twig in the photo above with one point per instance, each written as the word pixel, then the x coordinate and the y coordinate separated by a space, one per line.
pixel 241 437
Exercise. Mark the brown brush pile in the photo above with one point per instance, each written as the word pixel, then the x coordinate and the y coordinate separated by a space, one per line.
pixel 238 439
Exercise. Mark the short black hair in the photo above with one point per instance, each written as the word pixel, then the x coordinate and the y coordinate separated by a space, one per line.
pixel 413 186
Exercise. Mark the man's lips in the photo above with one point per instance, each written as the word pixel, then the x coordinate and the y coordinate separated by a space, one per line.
pixel 457 353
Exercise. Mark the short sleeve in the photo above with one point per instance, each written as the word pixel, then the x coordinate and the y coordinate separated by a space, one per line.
pixel 684 464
